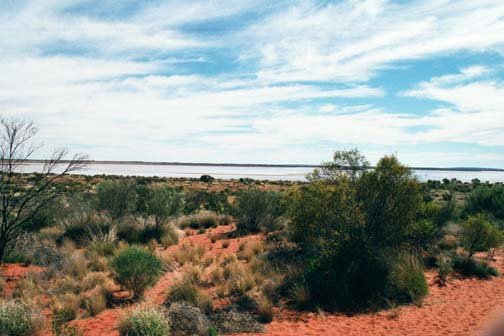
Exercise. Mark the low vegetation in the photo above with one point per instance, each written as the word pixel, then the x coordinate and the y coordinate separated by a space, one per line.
pixel 353 239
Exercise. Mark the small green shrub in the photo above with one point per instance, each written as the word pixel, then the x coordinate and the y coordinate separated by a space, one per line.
pixel 145 322
pixel 469 267
pixel 17 319
pixel 136 269
pixel 480 234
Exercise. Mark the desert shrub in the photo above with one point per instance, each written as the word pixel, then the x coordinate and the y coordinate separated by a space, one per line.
pixel 145 321
pixel 95 302
pixel 201 220
pixel 117 197
pixel 17 319
pixel 130 231
pixel 487 199
pixel 479 234
pixel 192 253
pixel 17 257
pixel 52 233
pixel 163 203
pixel 349 232
pixel 170 236
pixel 93 279
pixel 206 178
pixel 300 295
pixel 67 305
pixel 265 310
pixel 75 265
pixel 185 291
pixel 445 270
pixel 136 269
pixel 257 210
pixel 469 267
pixel 407 280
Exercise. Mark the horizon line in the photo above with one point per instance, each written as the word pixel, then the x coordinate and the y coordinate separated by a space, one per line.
pixel 272 165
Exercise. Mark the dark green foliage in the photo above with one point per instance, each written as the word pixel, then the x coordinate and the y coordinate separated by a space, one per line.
pixel 487 199
pixel 117 197
pixel 206 178
pixel 136 269
pixel 352 232
pixel 390 198
pixel 480 234
pixel 469 267
pixel 257 210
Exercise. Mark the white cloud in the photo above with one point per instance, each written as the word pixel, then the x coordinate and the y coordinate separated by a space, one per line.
pixel 352 41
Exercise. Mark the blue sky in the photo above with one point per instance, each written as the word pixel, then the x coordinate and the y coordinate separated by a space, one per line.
pixel 259 81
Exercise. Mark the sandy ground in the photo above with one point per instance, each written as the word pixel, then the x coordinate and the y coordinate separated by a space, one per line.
pixel 463 307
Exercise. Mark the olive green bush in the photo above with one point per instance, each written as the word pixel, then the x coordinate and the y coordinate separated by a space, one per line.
pixel 136 269
pixel 17 319
pixel 145 321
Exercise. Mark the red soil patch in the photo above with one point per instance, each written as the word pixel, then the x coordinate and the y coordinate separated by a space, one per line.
pixel 462 308
pixel 13 272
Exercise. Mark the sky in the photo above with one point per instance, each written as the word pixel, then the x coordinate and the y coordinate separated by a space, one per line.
pixel 258 81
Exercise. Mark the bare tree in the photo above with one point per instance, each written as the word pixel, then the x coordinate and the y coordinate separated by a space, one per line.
pixel 21 199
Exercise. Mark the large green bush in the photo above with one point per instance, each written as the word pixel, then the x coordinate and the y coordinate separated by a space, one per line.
pixel 17 319
pixel 257 210
pixel 136 269
pixel 351 232
pixel 480 234
pixel 488 199
pixel 145 322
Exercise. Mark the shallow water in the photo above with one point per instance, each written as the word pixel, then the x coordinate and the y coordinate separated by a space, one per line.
pixel 258 173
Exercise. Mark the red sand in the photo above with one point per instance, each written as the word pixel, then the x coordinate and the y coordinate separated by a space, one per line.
pixel 13 272
pixel 463 307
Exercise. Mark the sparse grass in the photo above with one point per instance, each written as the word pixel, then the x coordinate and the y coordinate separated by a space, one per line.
pixel 189 253
pixel 249 249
